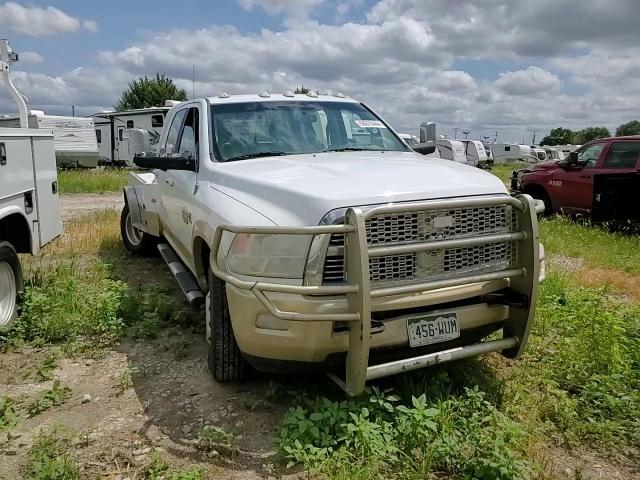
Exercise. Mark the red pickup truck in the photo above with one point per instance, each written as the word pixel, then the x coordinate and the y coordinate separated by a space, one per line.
pixel 600 180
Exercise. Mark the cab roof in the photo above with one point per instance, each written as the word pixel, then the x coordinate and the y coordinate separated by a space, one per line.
pixel 279 97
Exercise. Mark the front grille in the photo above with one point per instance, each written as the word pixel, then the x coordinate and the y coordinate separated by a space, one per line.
pixel 438 224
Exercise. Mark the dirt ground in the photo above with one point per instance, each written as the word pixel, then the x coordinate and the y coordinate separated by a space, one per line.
pixel 156 395
pixel 75 204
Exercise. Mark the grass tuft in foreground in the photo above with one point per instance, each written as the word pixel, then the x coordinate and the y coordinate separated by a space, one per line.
pixel 48 459
pixel 92 181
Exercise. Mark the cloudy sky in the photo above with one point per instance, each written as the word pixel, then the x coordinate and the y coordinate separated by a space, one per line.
pixel 486 66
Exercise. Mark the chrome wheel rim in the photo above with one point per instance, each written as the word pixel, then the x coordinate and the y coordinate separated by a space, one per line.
pixel 134 235
pixel 8 293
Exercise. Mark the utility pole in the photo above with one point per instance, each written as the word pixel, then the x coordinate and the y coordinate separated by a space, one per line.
pixel 455 133
pixel 533 140
pixel 73 110
pixel 193 82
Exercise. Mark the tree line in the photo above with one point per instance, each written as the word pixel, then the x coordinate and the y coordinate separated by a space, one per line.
pixel 564 136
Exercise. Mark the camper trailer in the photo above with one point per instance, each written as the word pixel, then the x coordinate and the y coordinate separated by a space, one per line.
pixel 74 137
pixel 554 153
pixel 538 154
pixel 505 153
pixel 111 131
pixel 451 150
pixel 409 139
pixel 475 153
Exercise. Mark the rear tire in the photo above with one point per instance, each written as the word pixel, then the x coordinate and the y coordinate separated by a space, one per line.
pixel 225 360
pixel 11 284
pixel 135 240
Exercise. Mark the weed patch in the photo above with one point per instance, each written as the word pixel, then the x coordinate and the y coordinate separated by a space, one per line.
pixel 504 172
pixel 379 436
pixel 54 397
pixel 49 459
pixel 8 413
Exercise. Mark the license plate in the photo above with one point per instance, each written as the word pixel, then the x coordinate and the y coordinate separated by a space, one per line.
pixel 430 329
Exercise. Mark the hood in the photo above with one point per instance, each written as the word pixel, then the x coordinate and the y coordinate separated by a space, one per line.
pixel 301 189
pixel 545 165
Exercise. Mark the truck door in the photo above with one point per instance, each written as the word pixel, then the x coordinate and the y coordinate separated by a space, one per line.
pixel 571 188
pixel 47 199
pixel 176 186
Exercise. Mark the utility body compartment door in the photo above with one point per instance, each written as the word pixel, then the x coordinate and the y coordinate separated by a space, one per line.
pixel 47 197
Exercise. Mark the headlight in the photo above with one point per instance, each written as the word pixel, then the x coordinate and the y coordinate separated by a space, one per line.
pixel 267 255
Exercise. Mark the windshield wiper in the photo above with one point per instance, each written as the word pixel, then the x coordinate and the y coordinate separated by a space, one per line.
pixel 255 155
pixel 354 149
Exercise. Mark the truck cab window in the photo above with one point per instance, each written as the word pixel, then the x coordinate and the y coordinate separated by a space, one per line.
pixel 589 156
pixel 623 155
pixel 189 138
pixel 171 145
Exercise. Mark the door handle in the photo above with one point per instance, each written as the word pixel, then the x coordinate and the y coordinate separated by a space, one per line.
pixel 585 176
pixel 169 181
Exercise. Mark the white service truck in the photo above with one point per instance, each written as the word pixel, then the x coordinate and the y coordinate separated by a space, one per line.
pixel 317 239
pixel 29 204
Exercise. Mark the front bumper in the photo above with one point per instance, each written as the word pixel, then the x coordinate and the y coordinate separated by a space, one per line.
pixel 300 319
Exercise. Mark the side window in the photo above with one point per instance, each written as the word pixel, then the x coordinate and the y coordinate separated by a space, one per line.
pixel 189 138
pixel 589 157
pixel 98 136
pixel 157 121
pixel 130 124
pixel 623 155
pixel 507 149
pixel 171 145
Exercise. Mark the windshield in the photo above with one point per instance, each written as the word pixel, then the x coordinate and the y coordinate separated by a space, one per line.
pixel 255 129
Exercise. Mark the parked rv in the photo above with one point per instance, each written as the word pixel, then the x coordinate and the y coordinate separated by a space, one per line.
pixel 29 204
pixel 504 153
pixel 410 140
pixel 567 149
pixel 111 131
pixel 451 150
pixel 74 137
pixel 554 153
pixel 475 153
pixel 538 154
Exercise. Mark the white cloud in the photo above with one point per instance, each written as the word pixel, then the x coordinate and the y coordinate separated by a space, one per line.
pixel 41 21
pixel 531 81
pixel 294 8
pixel 31 57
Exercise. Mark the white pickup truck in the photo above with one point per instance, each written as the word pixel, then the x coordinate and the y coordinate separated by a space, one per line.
pixel 319 240
pixel 29 204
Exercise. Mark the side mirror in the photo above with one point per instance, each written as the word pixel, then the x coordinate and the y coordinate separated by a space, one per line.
pixel 167 162
pixel 573 159
pixel 427 143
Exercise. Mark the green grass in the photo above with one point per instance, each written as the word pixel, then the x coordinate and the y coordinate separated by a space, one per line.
pixel 504 171
pixel 596 245
pixel 92 181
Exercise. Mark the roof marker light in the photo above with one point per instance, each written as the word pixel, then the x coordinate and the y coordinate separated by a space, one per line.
pixel 264 94
pixel 289 93
pixel 338 95
pixel 312 94
pixel 223 95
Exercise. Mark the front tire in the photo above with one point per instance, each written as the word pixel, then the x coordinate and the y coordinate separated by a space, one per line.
pixel 11 284
pixel 225 360
pixel 135 240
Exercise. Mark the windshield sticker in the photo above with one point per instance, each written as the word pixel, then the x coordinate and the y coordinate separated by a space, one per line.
pixel 370 124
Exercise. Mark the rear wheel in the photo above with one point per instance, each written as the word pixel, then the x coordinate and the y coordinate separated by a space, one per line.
pixel 134 239
pixel 226 363
pixel 11 283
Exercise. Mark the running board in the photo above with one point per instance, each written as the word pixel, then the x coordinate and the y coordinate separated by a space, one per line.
pixel 414 363
pixel 186 281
